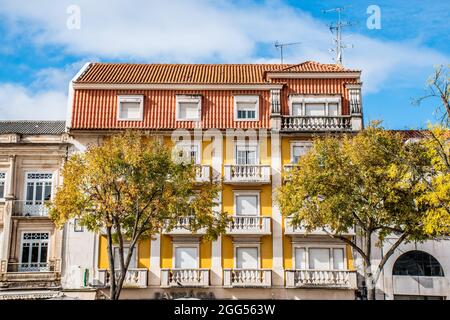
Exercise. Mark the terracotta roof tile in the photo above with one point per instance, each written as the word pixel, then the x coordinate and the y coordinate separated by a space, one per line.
pixel 126 73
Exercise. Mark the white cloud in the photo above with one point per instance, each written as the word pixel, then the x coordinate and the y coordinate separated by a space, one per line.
pixel 192 31
pixel 20 103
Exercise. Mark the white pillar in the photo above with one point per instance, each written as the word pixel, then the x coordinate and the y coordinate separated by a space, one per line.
pixel 155 261
pixel 277 230
pixel 216 250
pixel 9 203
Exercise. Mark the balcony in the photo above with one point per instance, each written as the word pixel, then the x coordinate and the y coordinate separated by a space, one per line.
pixel 316 123
pixel 290 230
pixel 135 278
pixel 182 227
pixel 340 279
pixel 202 173
pixel 250 174
pixel 184 278
pixel 247 278
pixel 28 209
pixel 32 272
pixel 249 225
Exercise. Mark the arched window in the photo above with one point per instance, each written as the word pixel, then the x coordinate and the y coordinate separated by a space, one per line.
pixel 417 263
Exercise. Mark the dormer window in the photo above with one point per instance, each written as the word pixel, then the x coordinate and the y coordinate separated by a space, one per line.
pixel 130 107
pixel 246 108
pixel 189 108
pixel 315 106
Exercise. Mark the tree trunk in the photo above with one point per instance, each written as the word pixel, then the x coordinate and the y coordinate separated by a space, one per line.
pixel 112 274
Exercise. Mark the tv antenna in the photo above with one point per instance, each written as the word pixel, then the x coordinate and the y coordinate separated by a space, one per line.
pixel 281 45
pixel 337 29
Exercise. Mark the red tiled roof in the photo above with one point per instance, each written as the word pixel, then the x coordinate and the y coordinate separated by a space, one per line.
pixel 126 73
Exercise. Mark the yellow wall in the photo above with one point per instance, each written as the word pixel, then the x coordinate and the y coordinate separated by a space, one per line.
pixel 227 252
pixel 205 254
pixel 143 253
pixel 287 252
pixel 166 251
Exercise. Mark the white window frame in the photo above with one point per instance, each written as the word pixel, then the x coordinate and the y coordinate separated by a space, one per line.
pixel 186 245
pixel 323 99
pixel 247 245
pixel 246 99
pixel 22 241
pixel 53 180
pixel 2 197
pixel 131 98
pixel 126 245
pixel 307 246
pixel 246 144
pixel 188 99
pixel 305 144
pixel 256 193
pixel 181 144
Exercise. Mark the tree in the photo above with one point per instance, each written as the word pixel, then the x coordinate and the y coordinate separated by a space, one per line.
pixel 372 183
pixel 438 86
pixel 434 190
pixel 130 188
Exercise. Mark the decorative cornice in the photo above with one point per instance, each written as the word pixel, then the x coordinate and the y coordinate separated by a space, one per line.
pixel 168 86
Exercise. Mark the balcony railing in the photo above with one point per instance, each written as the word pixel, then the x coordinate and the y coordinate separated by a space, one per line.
pixel 321 278
pixel 184 277
pixel 249 225
pixel 247 277
pixel 26 267
pixel 316 123
pixel 289 229
pixel 182 227
pixel 247 174
pixel 27 208
pixel 135 278
pixel 202 173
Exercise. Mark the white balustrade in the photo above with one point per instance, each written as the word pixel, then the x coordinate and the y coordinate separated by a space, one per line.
pixel 247 277
pixel 253 225
pixel 317 123
pixel 184 277
pixel 135 278
pixel 248 173
pixel 28 208
pixel 202 173
pixel 289 229
pixel 321 278
pixel 182 227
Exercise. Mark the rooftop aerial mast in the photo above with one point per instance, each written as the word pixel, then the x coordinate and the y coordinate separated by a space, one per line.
pixel 280 46
pixel 337 30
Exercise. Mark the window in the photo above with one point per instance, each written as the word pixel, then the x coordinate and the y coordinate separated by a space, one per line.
pixel 246 155
pixel 315 106
pixel 188 152
pixel 2 184
pixel 186 257
pixel 319 258
pixel 300 258
pixel 298 149
pixel 130 107
pixel 247 204
pixel 133 260
pixel 417 263
pixel 188 108
pixel 38 188
pixel 246 108
pixel 314 109
pixel 247 257
pixel 34 252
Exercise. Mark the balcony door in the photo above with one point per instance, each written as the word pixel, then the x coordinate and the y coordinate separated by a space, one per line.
pixel 246 155
pixel 247 258
pixel 186 258
pixel 34 252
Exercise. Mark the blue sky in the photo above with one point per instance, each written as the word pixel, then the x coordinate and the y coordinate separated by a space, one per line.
pixel 39 54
